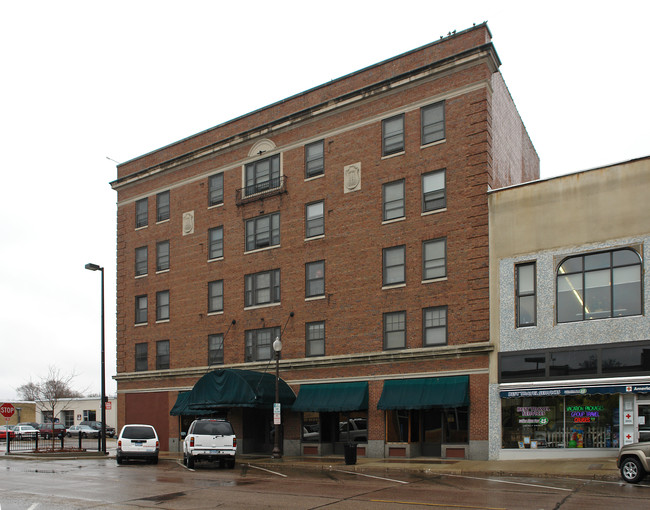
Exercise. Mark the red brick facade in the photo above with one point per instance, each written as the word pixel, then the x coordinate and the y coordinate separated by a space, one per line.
pixel 347 114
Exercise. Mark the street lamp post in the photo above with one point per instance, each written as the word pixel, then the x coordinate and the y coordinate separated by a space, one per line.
pixel 277 347
pixel 95 267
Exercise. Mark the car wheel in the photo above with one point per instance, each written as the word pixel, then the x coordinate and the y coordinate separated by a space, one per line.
pixel 190 462
pixel 632 470
pixel 231 464
pixel 184 460
pixel 154 460
pixel 119 460
pixel 68 434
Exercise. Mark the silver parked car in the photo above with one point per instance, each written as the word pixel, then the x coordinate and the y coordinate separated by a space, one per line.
pixel 83 430
pixel 25 432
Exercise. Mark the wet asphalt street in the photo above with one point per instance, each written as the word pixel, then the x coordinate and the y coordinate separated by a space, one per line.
pixel 101 483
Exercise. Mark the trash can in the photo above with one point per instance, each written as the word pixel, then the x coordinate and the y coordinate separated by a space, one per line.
pixel 350 453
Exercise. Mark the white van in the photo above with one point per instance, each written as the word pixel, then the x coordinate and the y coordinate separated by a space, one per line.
pixel 138 441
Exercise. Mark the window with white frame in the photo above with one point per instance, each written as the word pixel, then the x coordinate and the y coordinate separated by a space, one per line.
pixel 263 231
pixel 215 190
pixel 141 213
pixel 141 309
pixel 262 175
pixel 162 206
pixel 162 355
pixel 162 256
pixel 525 294
pixel 141 355
pixel 215 349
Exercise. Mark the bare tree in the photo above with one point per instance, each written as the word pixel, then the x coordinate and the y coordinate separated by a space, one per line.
pixel 28 391
pixel 50 391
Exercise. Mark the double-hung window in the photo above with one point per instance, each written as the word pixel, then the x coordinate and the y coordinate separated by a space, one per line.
pixel 392 139
pixel 259 343
pixel 395 330
pixel 141 309
pixel 162 305
pixel 141 213
pixel 141 261
pixel 315 219
pixel 215 243
pixel 314 159
pixel 162 355
pixel 315 279
pixel 433 123
pixel 162 256
pixel 599 285
pixel 315 338
pixel 525 294
pixel 215 190
pixel 434 326
pixel 215 296
pixel 141 355
pixel 434 193
pixel 393 200
pixel 215 349
pixel 434 259
pixel 263 231
pixel 394 262
pixel 263 175
pixel 262 288
pixel 162 206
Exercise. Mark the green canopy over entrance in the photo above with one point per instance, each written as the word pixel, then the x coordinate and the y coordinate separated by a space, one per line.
pixel 228 387
pixel 425 393
pixel 332 397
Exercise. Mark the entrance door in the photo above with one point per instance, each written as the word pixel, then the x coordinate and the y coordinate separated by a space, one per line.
pixel 643 420
pixel 432 432
pixel 257 425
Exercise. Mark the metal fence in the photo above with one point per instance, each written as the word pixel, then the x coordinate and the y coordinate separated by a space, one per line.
pixel 52 444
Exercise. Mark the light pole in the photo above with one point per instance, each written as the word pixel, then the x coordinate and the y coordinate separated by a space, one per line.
pixel 95 267
pixel 277 347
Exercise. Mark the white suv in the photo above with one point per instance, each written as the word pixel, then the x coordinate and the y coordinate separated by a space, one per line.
pixel 212 440
pixel 138 441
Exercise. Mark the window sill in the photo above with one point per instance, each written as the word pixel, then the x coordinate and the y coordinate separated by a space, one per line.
pixel 393 286
pixel 388 156
pixel 315 298
pixel 214 206
pixel 428 213
pixel 314 237
pixel 395 220
pixel 434 280
pixel 162 321
pixel 162 221
pixel 138 276
pixel 162 271
pixel 217 312
pixel 217 259
pixel 266 248
pixel 255 307
pixel 140 324
pixel 314 177
pixel 431 144
pixel 142 227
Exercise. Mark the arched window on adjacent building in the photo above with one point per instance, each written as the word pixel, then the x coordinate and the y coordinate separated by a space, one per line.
pixel 599 286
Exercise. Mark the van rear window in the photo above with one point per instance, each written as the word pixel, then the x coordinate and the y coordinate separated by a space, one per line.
pixel 136 432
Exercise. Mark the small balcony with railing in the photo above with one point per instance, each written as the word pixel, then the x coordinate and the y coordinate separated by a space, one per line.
pixel 261 190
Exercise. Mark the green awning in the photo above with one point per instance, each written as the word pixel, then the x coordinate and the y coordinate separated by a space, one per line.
pixel 425 393
pixel 180 407
pixel 228 387
pixel 328 397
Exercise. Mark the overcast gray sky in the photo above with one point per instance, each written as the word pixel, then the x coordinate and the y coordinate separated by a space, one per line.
pixel 85 80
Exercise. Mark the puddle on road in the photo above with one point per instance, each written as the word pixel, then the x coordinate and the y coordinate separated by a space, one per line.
pixel 164 497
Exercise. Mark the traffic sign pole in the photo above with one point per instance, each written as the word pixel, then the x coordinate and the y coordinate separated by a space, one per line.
pixel 7 410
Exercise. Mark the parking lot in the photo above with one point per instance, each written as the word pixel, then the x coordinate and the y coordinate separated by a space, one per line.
pixel 92 482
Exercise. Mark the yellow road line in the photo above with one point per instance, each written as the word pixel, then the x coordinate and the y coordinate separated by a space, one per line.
pixel 435 504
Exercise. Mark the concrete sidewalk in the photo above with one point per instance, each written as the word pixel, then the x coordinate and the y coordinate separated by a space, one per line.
pixel 595 468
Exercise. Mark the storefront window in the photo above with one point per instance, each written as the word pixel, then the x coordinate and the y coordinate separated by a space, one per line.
pixel 310 428
pixel 583 421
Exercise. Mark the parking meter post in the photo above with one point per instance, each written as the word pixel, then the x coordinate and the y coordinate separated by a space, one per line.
pixel 36 441
pixel 80 439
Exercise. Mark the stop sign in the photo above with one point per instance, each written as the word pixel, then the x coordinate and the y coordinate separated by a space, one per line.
pixel 7 410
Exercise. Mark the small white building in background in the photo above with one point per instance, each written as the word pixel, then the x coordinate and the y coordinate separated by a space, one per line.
pixel 72 411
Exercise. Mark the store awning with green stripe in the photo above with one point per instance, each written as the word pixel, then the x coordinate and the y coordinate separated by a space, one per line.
pixel 425 393
pixel 332 397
